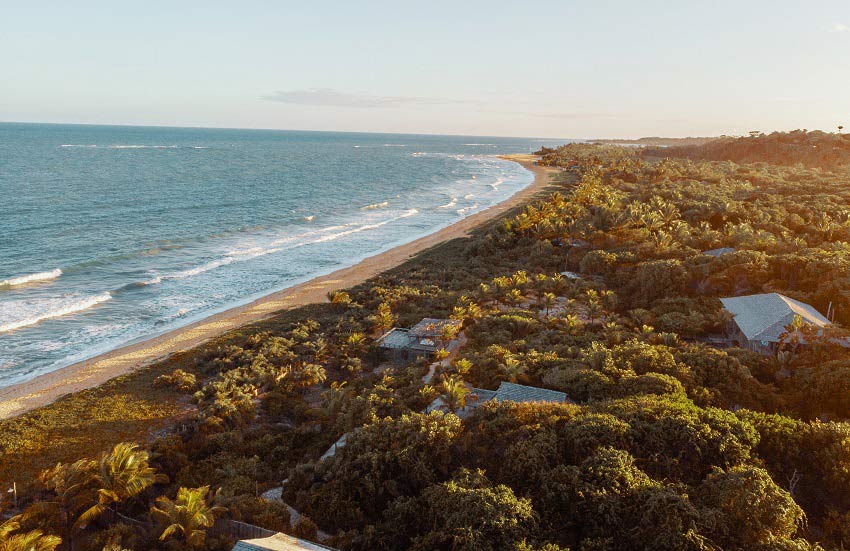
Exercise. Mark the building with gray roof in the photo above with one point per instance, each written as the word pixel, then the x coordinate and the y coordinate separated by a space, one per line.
pixel 719 252
pixel 507 392
pixel 759 321
pixel 512 392
pixel 422 340
pixel 279 542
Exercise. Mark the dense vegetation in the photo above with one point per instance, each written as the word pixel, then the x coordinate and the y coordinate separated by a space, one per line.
pixel 669 442
pixel 814 149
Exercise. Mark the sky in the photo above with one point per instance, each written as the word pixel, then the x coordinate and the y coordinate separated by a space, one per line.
pixel 560 69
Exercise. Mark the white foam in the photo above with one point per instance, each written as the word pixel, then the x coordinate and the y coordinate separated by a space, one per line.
pixel 201 269
pixel 374 206
pixel 25 313
pixel 450 204
pixel 365 227
pixel 466 209
pixel 229 258
pixel 284 243
pixel 309 218
pixel 291 238
pixel 133 146
pixel 31 278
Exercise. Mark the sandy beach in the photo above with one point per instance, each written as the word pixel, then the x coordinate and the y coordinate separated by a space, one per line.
pixel 44 389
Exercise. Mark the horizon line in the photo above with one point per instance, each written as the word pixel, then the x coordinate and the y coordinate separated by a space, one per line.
pixel 265 129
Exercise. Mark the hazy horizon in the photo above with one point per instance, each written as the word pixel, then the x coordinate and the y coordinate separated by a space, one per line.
pixel 567 70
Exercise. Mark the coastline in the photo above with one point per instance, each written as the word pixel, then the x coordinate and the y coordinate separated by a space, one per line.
pixel 46 388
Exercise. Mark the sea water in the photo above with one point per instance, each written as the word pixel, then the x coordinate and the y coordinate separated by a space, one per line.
pixel 111 234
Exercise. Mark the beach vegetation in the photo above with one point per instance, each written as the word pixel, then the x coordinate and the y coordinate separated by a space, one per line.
pixel 672 437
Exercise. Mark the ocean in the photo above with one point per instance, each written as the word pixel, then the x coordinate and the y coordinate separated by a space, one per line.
pixel 112 234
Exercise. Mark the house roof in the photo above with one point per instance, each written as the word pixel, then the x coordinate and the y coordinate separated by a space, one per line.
pixel 506 392
pixel 477 396
pixel 278 542
pixel 764 317
pixel 432 327
pixel 395 338
pixel 521 393
pixel 719 252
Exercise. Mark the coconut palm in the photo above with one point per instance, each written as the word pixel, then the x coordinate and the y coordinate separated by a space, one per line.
pixel 593 310
pixel 558 283
pixel 357 343
pixel 454 392
pixel 384 319
pixel 123 473
pixel 462 366
pixel 547 301
pixel 572 322
pixel 312 374
pixel 340 299
pixel 188 516
pixel 35 540
pixel 72 490
pixel 514 297
pixel 512 369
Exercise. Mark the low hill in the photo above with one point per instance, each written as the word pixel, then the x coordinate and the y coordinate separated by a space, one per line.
pixel 655 141
pixel 813 149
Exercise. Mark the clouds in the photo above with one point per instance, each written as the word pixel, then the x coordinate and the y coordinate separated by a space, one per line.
pixel 328 97
pixel 839 28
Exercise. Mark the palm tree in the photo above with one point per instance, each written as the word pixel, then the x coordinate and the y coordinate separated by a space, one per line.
pixel 35 540
pixel 73 490
pixel 573 323
pixel 512 369
pixel 454 393
pixel 123 473
pixel 548 300
pixel 462 366
pixel 514 297
pixel 340 299
pixel 357 342
pixel 384 318
pixel 312 374
pixel 559 284
pixel 593 309
pixel 188 516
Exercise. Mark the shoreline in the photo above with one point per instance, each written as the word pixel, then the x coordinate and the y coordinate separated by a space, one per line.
pixel 44 389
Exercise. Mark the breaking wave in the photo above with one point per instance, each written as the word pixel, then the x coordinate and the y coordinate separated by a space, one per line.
pixel 229 258
pixel 25 313
pixel 31 278
pixel 285 243
pixel 133 146
pixel 374 206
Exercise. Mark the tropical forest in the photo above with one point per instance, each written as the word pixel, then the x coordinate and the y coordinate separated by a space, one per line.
pixel 604 289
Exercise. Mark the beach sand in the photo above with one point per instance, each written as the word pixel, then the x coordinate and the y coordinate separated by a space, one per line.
pixel 44 389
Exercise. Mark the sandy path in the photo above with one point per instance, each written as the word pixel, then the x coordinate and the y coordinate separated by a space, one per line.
pixel 44 389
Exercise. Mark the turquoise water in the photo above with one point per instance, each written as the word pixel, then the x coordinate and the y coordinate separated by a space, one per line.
pixel 112 234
